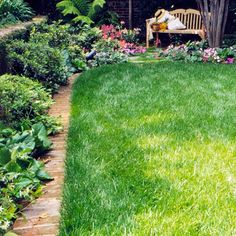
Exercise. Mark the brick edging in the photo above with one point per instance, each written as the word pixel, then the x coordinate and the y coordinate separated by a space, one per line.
pixel 43 216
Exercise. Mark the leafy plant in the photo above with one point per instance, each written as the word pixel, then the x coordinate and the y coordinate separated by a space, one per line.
pixel 56 35
pixel 12 11
pixel 38 61
pixel 108 53
pixel 21 175
pixel 25 102
pixel 81 10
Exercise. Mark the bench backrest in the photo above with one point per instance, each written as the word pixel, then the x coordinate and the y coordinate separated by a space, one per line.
pixel 191 18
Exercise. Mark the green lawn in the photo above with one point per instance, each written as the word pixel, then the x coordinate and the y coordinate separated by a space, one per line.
pixel 152 151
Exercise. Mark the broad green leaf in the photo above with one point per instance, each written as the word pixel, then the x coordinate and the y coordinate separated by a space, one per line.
pixel 5 156
pixel 23 183
pixel 95 4
pixel 12 166
pixel 84 19
pixel 43 175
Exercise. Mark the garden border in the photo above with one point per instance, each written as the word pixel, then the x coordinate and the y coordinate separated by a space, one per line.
pixel 42 217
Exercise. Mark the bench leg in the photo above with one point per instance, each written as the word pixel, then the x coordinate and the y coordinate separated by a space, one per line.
pixel 157 40
pixel 147 41
pixel 147 35
pixel 202 35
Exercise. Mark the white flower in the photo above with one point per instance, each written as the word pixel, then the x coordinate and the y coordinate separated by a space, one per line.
pixel 5 225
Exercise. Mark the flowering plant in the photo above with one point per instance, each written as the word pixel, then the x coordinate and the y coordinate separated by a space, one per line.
pixel 199 52
pixel 128 39
pixel 131 49
pixel 120 33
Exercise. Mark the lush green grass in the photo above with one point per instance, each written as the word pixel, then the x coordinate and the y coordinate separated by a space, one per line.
pixel 151 151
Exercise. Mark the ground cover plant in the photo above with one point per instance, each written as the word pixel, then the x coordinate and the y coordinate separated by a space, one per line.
pixel 151 151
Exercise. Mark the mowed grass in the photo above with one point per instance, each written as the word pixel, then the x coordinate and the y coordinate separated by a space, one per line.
pixel 152 151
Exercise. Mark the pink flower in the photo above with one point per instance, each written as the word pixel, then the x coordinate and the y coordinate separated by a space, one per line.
pixel 230 60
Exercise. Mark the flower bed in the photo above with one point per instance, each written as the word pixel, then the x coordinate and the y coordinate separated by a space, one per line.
pixel 128 39
pixel 199 52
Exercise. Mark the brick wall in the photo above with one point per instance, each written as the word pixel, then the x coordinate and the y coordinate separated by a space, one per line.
pixel 121 7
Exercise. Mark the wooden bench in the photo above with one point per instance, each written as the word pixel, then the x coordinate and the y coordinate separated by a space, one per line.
pixel 191 18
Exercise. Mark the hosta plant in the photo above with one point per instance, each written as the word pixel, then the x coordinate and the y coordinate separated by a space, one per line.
pixel 21 175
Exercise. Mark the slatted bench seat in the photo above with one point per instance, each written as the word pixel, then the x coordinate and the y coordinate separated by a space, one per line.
pixel 191 18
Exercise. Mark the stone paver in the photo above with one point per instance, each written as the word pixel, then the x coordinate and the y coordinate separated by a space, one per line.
pixel 42 217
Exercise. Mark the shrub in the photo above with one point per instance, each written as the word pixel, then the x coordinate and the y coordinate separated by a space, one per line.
pixel 4 41
pixel 85 36
pixel 38 61
pixel 74 41
pixel 55 35
pixel 12 11
pixel 22 99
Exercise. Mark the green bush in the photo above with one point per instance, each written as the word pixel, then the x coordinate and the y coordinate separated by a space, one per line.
pixel 85 36
pixel 74 41
pixel 38 61
pixel 19 34
pixel 13 11
pixel 22 99
pixel 55 35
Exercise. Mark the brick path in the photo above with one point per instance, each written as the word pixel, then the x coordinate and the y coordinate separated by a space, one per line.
pixel 42 217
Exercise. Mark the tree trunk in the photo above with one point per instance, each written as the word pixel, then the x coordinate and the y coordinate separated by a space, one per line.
pixel 214 14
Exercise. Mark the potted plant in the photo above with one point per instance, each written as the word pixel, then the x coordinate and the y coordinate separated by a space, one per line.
pixel 155 26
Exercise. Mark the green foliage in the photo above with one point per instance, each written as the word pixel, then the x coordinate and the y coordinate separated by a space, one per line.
pixel 199 52
pixel 20 174
pixel 4 41
pixel 107 17
pixel 82 10
pixel 23 101
pixel 108 53
pixel 38 61
pixel 85 36
pixel 13 11
pixel 56 35
pixel 73 41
